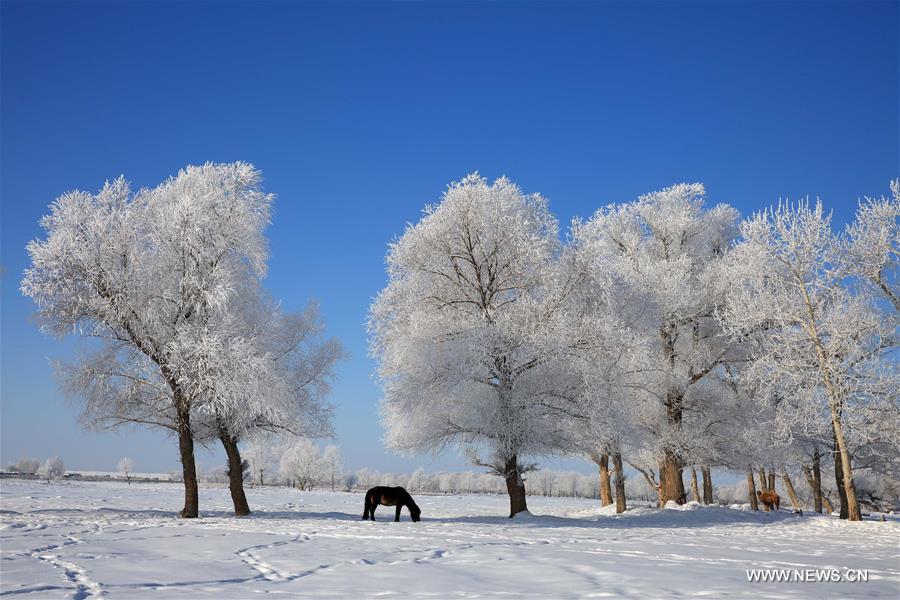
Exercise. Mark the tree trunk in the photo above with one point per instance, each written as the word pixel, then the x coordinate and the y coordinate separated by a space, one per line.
pixel 671 481
pixel 845 485
pixel 660 492
pixel 771 480
pixel 620 483
pixel 839 480
pixel 695 491
pixel 814 479
pixel 817 480
pixel 235 470
pixel 188 466
pixel 515 487
pixel 792 493
pixel 762 484
pixel 751 490
pixel 707 485
pixel 670 472
pixel 602 462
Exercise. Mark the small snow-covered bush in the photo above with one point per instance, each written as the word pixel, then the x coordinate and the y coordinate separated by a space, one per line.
pixel 26 465
pixel 53 468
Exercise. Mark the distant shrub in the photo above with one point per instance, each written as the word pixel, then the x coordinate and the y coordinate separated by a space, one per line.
pixel 27 465
pixel 53 468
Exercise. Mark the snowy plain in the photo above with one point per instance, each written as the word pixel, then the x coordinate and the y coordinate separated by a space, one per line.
pixel 90 539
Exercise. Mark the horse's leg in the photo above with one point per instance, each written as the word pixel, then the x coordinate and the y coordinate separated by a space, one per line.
pixel 399 508
pixel 366 509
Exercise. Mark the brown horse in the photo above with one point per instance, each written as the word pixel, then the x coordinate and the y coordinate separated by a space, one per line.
pixel 390 496
pixel 770 499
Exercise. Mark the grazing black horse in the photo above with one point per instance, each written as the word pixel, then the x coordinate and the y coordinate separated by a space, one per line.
pixel 390 496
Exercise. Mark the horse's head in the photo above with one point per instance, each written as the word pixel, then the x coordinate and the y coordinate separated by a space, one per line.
pixel 415 512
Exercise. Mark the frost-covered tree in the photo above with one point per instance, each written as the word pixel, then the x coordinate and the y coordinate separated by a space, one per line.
pixel 349 481
pixel 333 463
pixel 29 466
pixel 661 255
pixel 541 482
pixel 260 369
pixel 258 452
pixel 252 369
pixel 610 360
pixel 125 467
pixel 144 273
pixel 416 481
pixel 468 333
pixel 302 463
pixel 367 478
pixel 871 245
pixel 53 468
pixel 821 341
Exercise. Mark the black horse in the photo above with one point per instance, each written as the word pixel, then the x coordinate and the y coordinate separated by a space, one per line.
pixel 390 496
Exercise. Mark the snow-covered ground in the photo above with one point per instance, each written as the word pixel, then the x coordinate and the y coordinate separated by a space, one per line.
pixel 82 540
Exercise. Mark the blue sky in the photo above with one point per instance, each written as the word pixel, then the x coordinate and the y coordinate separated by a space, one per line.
pixel 360 114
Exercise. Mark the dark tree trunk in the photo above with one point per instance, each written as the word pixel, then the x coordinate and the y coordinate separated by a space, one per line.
pixel 671 480
pixel 772 479
pixel 839 479
pixel 695 491
pixel 707 485
pixel 763 485
pixel 814 480
pixel 515 487
pixel 846 486
pixel 235 470
pixel 620 483
pixel 751 490
pixel 670 472
pixel 188 466
pixel 602 462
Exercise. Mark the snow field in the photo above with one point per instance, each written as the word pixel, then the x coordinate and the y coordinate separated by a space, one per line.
pixel 90 539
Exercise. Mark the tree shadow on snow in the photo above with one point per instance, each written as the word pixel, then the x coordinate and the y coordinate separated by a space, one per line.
pixel 657 519
pixel 641 518
pixel 305 514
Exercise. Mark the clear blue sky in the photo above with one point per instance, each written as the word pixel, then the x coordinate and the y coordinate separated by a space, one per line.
pixel 359 114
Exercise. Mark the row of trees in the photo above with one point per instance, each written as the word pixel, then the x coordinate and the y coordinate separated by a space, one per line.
pixel 166 284
pixel 125 466
pixel 661 333
pixel 304 466
pixel 301 464
pixel 52 468
pixel 545 482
